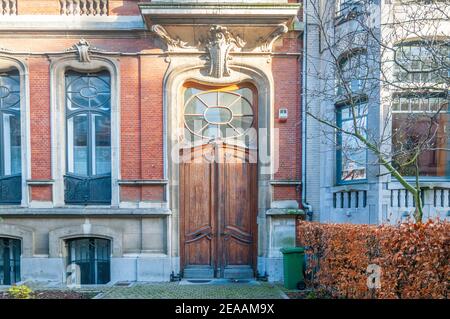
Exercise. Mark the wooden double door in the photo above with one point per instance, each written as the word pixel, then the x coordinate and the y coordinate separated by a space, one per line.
pixel 218 206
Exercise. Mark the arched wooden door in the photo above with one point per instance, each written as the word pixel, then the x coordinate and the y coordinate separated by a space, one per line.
pixel 218 185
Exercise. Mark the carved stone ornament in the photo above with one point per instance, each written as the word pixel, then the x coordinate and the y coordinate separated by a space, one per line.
pixel 83 49
pixel 171 43
pixel 266 43
pixel 219 45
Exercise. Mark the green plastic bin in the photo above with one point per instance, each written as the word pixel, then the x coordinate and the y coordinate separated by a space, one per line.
pixel 293 260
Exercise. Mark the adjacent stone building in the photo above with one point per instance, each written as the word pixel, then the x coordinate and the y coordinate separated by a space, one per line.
pixel 392 59
pixel 142 141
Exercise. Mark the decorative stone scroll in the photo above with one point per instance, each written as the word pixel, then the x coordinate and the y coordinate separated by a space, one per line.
pixel 219 42
pixel 171 43
pixel 219 45
pixel 82 48
pixel 266 43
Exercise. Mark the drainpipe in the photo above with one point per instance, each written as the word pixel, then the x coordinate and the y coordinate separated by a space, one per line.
pixel 305 204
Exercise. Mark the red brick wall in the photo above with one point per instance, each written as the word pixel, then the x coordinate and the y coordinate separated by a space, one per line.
pixel 141 104
pixel 142 125
pixel 152 75
pixel 124 7
pixel 40 139
pixel 286 73
pixel 25 7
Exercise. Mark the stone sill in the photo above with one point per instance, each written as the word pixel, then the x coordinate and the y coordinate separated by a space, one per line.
pixel 285 212
pixel 143 182
pixel 84 211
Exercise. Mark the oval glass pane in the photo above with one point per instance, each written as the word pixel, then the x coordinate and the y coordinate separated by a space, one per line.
pixel 218 115
pixel 88 92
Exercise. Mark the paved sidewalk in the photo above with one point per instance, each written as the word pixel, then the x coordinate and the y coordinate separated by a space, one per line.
pixel 187 290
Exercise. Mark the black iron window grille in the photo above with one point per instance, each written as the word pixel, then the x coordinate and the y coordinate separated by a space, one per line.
pixel 92 256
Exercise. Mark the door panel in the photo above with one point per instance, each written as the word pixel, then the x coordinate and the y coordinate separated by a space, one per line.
pixel 197 217
pixel 218 212
pixel 238 180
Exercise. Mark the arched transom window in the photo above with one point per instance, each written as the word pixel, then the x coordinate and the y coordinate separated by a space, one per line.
pixel 223 113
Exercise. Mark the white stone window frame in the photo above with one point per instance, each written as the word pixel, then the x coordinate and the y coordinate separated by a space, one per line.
pixel 343 100
pixel 58 69
pixel 8 63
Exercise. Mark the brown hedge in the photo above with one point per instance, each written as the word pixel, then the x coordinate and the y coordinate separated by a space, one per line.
pixel 414 259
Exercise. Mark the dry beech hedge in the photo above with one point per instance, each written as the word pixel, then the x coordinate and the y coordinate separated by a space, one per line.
pixel 414 259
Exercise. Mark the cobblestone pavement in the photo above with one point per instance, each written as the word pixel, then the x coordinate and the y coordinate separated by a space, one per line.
pixel 177 290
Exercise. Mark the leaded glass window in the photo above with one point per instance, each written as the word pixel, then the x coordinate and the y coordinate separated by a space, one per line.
pixel 225 114
pixel 10 137
pixel 88 127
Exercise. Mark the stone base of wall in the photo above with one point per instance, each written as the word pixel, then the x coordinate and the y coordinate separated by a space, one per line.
pixel 42 269
pixel 141 268
pixel 272 266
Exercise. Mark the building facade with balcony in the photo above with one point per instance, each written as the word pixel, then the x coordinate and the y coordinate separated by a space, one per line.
pixel 141 141
pixel 382 67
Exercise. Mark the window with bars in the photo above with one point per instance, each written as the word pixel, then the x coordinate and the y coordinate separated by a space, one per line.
pixel 10 251
pixel 92 256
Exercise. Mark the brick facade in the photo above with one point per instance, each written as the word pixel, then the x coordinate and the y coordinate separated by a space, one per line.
pixel 143 220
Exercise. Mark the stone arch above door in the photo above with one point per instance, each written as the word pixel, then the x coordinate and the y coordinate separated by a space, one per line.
pixel 254 69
